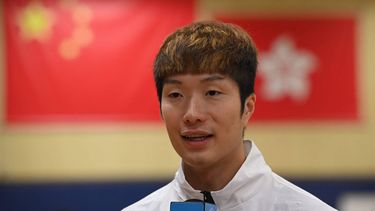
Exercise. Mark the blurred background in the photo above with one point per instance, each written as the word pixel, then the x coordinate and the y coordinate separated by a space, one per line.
pixel 79 117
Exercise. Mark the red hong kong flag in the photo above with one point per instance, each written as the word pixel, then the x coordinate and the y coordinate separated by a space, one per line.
pixel 307 67
pixel 85 60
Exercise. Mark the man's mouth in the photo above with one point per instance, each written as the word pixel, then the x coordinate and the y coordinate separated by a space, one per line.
pixel 195 137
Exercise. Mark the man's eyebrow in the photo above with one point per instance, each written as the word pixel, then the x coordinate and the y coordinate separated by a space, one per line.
pixel 213 78
pixel 206 79
pixel 172 81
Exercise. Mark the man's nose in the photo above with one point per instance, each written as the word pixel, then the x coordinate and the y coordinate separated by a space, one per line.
pixel 195 111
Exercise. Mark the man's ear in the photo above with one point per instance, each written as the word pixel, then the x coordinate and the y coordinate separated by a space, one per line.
pixel 249 108
pixel 161 112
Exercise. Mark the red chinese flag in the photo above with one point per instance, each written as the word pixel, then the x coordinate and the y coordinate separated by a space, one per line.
pixel 307 67
pixel 86 60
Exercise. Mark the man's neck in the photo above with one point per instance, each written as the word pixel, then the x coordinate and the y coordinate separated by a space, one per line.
pixel 216 176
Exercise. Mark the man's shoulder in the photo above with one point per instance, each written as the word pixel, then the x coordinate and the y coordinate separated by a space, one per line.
pixel 156 200
pixel 293 197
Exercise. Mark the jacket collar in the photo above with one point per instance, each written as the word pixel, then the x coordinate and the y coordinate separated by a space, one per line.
pixel 249 179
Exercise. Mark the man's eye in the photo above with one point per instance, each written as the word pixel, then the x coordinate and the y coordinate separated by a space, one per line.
pixel 213 93
pixel 174 95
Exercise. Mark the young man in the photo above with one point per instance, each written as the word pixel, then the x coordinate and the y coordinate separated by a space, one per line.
pixel 205 75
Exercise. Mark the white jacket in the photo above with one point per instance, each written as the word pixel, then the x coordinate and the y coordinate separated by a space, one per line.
pixel 254 188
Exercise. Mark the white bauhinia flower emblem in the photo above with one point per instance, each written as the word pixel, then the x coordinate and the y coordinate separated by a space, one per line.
pixel 286 70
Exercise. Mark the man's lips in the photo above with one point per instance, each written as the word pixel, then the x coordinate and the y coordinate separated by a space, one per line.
pixel 195 135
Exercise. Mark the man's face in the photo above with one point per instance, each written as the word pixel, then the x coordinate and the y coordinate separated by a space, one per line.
pixel 203 117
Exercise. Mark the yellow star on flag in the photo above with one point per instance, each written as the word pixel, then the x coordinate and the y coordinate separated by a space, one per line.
pixel 35 21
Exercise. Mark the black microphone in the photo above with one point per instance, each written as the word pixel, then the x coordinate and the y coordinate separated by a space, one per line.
pixel 207 204
pixel 207 197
